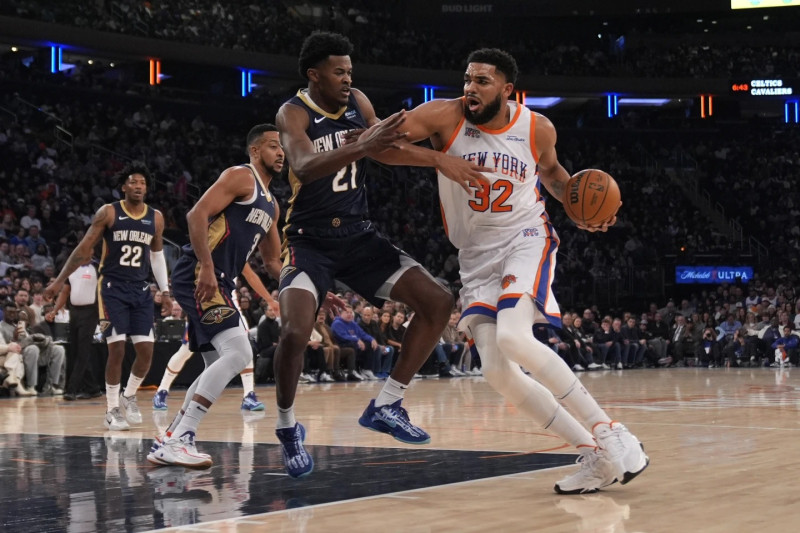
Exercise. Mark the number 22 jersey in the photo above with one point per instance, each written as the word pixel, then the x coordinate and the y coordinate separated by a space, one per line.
pixel 126 245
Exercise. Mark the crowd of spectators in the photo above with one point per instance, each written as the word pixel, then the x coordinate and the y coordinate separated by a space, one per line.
pixel 63 137
pixel 641 46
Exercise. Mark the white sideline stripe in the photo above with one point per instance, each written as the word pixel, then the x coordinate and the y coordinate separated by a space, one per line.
pixel 364 498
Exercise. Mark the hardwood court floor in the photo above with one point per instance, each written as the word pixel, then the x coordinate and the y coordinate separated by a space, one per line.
pixel 722 444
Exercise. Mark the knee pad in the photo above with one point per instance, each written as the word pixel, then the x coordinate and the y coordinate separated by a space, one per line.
pixel 234 346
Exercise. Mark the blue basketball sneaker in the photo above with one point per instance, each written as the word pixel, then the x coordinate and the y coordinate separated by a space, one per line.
pixel 251 403
pixel 393 419
pixel 297 460
pixel 160 400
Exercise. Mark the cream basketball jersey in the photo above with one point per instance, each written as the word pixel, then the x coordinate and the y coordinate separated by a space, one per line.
pixel 511 201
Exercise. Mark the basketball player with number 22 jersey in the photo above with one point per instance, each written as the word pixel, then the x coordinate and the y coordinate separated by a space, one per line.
pixel 131 232
pixel 507 258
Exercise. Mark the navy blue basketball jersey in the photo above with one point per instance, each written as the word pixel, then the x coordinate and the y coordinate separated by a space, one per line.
pixel 126 245
pixel 341 194
pixel 234 233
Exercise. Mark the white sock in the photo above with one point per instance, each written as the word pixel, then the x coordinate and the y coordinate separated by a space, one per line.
pixel 286 418
pixel 166 381
pixel 565 426
pixel 174 366
pixel 248 379
pixel 391 392
pixel 175 422
pixel 578 399
pixel 133 385
pixel 112 395
pixel 191 419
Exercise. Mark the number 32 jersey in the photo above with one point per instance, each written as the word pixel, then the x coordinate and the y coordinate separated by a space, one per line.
pixel 342 194
pixel 126 245
pixel 511 201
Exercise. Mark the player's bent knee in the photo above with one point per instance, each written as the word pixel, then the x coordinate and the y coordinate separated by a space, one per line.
pixel 294 338
pixel 492 371
pixel 234 346
pixel 509 341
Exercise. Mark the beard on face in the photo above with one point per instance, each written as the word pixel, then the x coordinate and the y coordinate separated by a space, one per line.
pixel 482 117
pixel 271 168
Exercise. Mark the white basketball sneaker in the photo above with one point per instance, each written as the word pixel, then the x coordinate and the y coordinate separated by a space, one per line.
pixel 158 443
pixel 179 451
pixel 595 473
pixel 132 412
pixel 115 421
pixel 622 449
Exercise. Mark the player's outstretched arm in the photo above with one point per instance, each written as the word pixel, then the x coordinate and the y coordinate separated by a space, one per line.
pixel 435 120
pixel 83 252
pixel 257 285
pixel 551 173
pixel 308 165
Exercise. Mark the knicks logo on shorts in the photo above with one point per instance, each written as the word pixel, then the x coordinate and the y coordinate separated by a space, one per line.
pixel 508 280
pixel 288 269
pixel 217 314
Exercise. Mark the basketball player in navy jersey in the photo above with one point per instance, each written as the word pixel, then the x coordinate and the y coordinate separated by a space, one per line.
pixel 235 216
pixel 328 237
pixel 131 232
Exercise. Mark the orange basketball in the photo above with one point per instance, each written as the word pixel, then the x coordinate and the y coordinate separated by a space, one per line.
pixel 592 197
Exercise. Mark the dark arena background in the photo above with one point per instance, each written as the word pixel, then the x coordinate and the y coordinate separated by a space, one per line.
pixel 694 109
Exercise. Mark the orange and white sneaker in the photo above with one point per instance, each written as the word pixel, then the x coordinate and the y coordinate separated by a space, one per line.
pixel 595 473
pixel 179 451
pixel 622 449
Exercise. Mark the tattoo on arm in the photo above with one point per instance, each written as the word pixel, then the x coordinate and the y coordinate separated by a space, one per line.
pixel 557 187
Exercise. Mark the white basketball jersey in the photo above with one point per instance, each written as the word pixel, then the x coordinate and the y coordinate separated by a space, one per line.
pixel 511 201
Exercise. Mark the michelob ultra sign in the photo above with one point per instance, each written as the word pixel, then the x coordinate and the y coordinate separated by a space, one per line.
pixel 713 274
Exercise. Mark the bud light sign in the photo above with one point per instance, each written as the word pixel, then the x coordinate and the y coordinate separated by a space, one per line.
pixel 713 274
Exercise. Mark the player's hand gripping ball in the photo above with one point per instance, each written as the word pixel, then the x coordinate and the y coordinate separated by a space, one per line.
pixel 591 198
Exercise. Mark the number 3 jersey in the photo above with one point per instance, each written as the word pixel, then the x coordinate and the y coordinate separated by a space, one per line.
pixel 126 245
pixel 511 202
pixel 234 233
pixel 340 195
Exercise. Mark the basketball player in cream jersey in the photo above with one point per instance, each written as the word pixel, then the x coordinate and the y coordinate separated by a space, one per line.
pixel 507 255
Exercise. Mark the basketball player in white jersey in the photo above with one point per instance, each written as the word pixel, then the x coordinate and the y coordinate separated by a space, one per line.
pixel 507 261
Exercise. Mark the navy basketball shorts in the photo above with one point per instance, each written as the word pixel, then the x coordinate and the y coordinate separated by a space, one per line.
pixel 126 308
pixel 356 255
pixel 207 319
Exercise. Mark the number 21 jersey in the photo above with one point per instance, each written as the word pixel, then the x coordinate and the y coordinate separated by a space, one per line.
pixel 338 195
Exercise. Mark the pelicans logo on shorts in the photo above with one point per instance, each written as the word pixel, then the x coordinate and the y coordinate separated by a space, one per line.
pixel 104 324
pixel 217 314
pixel 508 280
pixel 288 269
